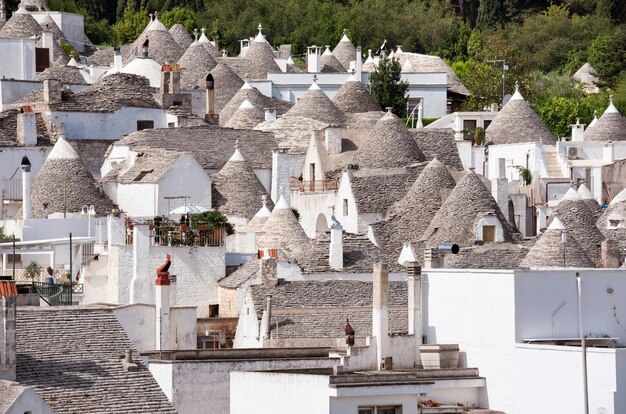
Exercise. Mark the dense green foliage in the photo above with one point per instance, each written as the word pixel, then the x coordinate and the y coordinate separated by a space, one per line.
pixel 387 87
pixel 543 41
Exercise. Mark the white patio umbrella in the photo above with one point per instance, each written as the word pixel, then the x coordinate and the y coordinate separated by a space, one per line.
pixel 190 208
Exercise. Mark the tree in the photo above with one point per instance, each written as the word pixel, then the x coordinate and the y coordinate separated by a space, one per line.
pixel 131 26
pixel 181 15
pixel 490 14
pixel 33 270
pixel 607 55
pixel 387 86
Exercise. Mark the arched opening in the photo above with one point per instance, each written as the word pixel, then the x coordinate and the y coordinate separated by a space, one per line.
pixel 210 94
pixel 321 225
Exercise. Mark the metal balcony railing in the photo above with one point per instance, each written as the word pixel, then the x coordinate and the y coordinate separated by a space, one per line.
pixel 316 185
pixel 11 189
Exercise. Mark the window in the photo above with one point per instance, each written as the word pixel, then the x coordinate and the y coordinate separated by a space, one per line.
pixel 178 103
pixel 42 59
pixel 469 125
pixel 486 123
pixel 395 409
pixel 214 311
pixel 345 206
pixel 489 233
pixel 614 224
pixel 141 125
pixel 171 125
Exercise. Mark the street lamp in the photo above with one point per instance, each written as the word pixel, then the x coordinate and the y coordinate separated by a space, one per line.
pixel 90 212
pixel 505 67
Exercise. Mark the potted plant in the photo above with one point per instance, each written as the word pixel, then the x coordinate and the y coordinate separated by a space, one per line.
pixel 32 271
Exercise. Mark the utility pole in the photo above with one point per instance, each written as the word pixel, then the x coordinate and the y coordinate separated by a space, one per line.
pixel 583 342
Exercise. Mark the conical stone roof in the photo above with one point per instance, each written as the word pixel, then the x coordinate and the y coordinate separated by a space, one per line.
pixel 208 46
pixel 66 74
pixel 65 184
pixel 548 250
pixel 410 217
pixel 261 55
pixel 282 229
pixel 181 36
pixel 590 201
pixel 612 222
pixel 458 217
pixel 580 223
pixel 196 63
pixel 518 123
pixel 389 145
pixel 161 46
pixel 247 92
pixel 329 63
pixel 21 26
pixel 49 25
pixel 315 104
pixel 257 224
pixel 611 126
pixel 353 97
pixel 227 84
pixel 247 116
pixel 237 189
pixel 345 52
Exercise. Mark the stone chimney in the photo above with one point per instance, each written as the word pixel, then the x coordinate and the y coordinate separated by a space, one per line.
pixel 414 284
pixel 162 300
pixel 26 128
pixel 281 174
pixel 432 260
pixel 313 59
pixel 578 130
pixel 335 255
pixel 52 90
pixel 268 267
pixel 26 182
pixel 140 286
pixel 380 311
pixel 8 352
pixel 117 60
pixel 332 139
pixel 500 188
pixel 610 254
pixel 270 114
pixel 359 63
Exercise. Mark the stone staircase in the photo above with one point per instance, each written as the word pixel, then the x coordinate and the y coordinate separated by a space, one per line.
pixel 553 168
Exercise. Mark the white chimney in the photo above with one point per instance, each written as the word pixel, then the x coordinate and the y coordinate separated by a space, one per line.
pixel 281 174
pixel 359 64
pixel 8 353
pixel 578 130
pixel 27 129
pixel 26 205
pixel 380 311
pixel 115 229
pixel 313 59
pixel 335 256
pixel 266 319
pixel 414 284
pixel 608 153
pixel 500 188
pixel 458 127
pixel 162 296
pixel 332 138
pixel 173 300
pixel 117 61
pixel 270 114
pixel 140 284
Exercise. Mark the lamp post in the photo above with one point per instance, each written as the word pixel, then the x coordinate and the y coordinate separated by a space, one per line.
pixel 505 67
pixel 90 212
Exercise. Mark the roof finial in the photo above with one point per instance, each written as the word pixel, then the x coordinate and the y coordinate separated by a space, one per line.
pixel 195 33
pixel 389 109
pixel 151 17
pixel 237 144
pixel 345 32
pixel 264 200
pixel 314 78
pixel 156 15
pixel 595 113
pixel 260 28
pixel 369 53
pixel 281 191
pixel 203 30
pixel 611 99
pixel 516 86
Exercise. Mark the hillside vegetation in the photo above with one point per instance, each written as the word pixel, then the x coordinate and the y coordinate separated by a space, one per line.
pixel 543 42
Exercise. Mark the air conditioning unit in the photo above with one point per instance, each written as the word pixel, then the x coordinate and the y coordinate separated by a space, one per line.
pixel 573 153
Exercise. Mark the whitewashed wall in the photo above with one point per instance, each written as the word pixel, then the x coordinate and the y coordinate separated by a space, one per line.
pixel 12 90
pixel 21 65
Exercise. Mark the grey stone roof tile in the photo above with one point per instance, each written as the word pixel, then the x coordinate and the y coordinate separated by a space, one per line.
pixel 181 36
pixel 345 52
pixel 20 26
pixel 375 193
pixel 66 74
pixel 316 105
pixel 211 145
pixel 227 84
pixel 8 126
pixel 440 143
pixel 389 145
pixel 72 358
pixel 353 97
pixel 260 101
pixel 195 64
pixel 488 256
